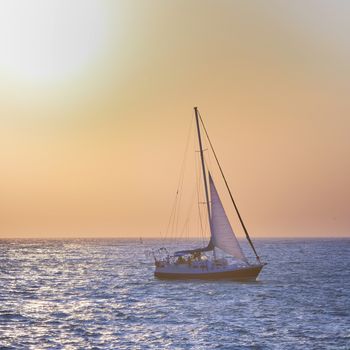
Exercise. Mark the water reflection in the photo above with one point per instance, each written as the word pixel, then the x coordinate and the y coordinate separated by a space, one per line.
pixel 102 294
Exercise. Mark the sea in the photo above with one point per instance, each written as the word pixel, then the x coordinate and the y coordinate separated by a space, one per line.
pixel 101 294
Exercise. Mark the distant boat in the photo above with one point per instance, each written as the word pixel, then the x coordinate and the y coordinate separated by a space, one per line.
pixel 202 263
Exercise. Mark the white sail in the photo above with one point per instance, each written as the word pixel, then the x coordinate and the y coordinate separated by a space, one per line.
pixel 222 234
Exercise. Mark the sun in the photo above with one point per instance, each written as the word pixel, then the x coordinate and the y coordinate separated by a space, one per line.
pixel 47 41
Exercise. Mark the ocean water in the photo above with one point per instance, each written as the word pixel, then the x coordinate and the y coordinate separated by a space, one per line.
pixel 101 294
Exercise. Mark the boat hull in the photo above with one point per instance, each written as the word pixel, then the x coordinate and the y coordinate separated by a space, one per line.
pixel 243 274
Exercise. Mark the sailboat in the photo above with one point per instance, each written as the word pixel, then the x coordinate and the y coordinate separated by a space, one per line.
pixel 203 263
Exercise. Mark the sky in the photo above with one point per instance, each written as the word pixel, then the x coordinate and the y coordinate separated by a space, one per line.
pixel 96 98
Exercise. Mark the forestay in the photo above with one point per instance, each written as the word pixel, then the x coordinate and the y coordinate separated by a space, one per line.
pixel 222 235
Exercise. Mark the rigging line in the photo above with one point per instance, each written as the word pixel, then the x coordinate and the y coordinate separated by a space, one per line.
pixel 182 174
pixel 171 222
pixel 183 165
pixel 170 228
pixel 173 218
pixel 197 178
pixel 229 191
pixel 206 229
pixel 171 215
pixel 206 235
pixel 207 160
pixel 189 211
pixel 198 203
pixel 203 214
pixel 174 213
pixel 186 223
pixel 200 195
pixel 201 200
pixel 197 182
pixel 176 219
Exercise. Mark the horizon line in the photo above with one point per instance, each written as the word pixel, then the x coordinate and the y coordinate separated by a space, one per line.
pixel 64 238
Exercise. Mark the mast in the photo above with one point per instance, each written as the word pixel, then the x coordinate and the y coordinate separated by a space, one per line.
pixel 227 186
pixel 203 165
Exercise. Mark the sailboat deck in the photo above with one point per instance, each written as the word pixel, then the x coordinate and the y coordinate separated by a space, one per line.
pixel 211 271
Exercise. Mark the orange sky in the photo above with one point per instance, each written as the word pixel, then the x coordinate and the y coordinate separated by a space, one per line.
pixel 96 98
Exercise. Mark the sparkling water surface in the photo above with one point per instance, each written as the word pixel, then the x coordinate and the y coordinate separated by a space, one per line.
pixel 101 294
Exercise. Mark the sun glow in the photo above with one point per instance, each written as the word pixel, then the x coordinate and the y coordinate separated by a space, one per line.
pixel 47 41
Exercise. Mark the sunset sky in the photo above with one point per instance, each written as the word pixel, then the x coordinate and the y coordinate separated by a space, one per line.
pixel 96 98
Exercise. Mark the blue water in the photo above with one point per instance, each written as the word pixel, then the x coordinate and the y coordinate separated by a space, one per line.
pixel 102 295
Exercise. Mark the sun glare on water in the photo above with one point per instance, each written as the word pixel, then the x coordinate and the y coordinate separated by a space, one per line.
pixel 48 41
